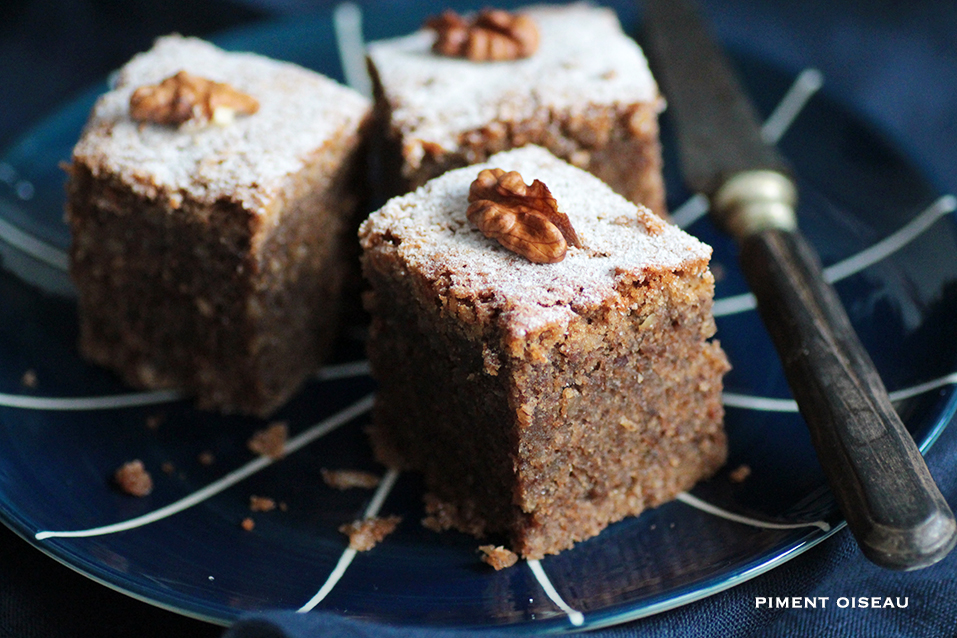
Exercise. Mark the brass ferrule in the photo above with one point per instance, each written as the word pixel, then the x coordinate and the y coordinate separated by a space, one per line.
pixel 754 201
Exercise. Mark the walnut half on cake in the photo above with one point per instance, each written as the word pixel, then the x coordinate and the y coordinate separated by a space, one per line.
pixel 210 198
pixel 540 400
pixel 576 85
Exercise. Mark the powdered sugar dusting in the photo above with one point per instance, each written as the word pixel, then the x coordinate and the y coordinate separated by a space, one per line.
pixel 246 160
pixel 436 239
pixel 583 59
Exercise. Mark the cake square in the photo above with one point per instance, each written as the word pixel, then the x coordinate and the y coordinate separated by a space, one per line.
pixel 586 94
pixel 208 254
pixel 541 401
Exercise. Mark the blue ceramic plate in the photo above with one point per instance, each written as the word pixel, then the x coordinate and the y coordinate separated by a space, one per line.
pixel 887 234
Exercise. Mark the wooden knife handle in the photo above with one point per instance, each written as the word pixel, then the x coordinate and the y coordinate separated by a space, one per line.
pixel 880 481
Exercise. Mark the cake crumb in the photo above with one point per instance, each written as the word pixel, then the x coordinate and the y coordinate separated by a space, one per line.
pixel 271 441
pixel 366 534
pixel 153 421
pixel 346 479
pixel 498 557
pixel 168 467
pixel 261 504
pixel 29 378
pixel 206 458
pixel 283 507
pixel 248 524
pixel 740 473
pixel 133 478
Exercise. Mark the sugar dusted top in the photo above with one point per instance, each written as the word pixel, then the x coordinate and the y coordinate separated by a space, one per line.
pixel 583 58
pixel 432 236
pixel 245 160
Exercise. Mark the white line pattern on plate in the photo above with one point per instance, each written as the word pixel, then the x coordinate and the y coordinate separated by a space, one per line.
pixel 116 401
pixel 33 246
pixel 734 304
pixel 694 208
pixel 155 397
pixel 704 506
pixel 292 445
pixel 347 23
pixel 574 616
pixel 808 82
pixel 805 85
pixel 767 404
pixel 381 493
pixel 906 393
pixel 892 243
pixel 344 370
pixel 857 262
pixel 761 404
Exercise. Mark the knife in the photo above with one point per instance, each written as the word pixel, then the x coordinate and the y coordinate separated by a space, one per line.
pixel 879 479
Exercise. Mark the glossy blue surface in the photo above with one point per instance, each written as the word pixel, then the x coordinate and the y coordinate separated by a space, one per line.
pixel 55 466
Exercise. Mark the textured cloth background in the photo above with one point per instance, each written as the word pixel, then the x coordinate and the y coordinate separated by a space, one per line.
pixel 894 63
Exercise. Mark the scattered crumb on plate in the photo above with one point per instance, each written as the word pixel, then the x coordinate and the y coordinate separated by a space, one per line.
pixel 498 557
pixel 365 534
pixel 740 473
pixel 261 504
pixel 271 441
pixel 248 524
pixel 206 458
pixel 346 479
pixel 29 378
pixel 133 478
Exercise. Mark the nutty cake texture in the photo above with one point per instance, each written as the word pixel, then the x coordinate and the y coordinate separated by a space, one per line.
pixel 584 92
pixel 209 225
pixel 542 400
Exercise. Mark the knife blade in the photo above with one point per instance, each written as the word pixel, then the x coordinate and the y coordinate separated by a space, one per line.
pixel 873 467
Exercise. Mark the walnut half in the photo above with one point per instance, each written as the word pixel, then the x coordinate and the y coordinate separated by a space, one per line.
pixel 492 35
pixel 183 97
pixel 525 219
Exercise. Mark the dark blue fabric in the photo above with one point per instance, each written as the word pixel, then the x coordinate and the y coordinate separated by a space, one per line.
pixel 894 63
